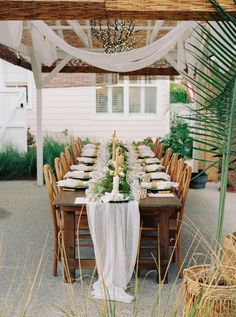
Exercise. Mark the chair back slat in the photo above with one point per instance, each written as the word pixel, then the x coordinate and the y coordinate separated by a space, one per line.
pixel 65 165
pixel 59 168
pixel 76 149
pixel 179 170
pixel 80 144
pixel 166 158
pixel 160 150
pixel 68 155
pixel 52 190
pixel 183 189
pixel 156 146
pixel 172 166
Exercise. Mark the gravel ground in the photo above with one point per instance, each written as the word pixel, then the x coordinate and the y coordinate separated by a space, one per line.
pixel 26 254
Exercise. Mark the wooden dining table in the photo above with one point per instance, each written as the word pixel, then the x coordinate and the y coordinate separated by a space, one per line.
pixel 164 206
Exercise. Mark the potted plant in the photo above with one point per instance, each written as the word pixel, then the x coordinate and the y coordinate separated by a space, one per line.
pixel 211 290
pixel 179 138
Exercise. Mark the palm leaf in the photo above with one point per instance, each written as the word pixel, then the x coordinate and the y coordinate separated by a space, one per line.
pixel 214 110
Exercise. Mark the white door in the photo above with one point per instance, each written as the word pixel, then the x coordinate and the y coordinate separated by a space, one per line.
pixel 13 127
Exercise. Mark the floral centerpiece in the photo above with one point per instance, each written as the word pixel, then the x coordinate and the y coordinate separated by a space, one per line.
pixel 114 179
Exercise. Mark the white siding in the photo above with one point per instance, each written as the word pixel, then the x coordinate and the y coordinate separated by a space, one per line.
pixel 74 109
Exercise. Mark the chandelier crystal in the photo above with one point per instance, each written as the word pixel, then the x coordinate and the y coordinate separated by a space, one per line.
pixel 116 36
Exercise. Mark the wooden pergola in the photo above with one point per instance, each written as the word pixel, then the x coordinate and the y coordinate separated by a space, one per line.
pixel 103 9
pixel 70 19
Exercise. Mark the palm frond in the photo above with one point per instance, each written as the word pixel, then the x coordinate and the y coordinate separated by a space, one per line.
pixel 212 122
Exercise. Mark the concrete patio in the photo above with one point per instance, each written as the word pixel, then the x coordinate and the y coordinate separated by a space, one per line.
pixel 27 252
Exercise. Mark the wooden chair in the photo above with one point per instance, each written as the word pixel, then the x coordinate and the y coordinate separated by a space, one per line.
pixel 177 221
pixel 166 158
pixel 59 169
pixel 76 149
pixel 80 144
pixel 82 228
pixel 149 223
pixel 179 170
pixel 52 190
pixel 159 152
pixel 156 146
pixel 65 165
pixel 172 166
pixel 68 155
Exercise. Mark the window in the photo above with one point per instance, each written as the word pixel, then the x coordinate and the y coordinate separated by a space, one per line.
pixel 150 99
pixel 117 100
pixel 20 86
pixel 128 98
pixel 134 100
pixel 101 99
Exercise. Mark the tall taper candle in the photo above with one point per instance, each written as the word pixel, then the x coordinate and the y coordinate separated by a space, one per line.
pixel 114 134
pixel 117 161
pixel 113 149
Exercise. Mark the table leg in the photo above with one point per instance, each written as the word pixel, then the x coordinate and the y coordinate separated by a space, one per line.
pixel 69 246
pixel 163 247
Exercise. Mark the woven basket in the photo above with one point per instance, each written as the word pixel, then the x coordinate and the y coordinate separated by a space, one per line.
pixel 229 250
pixel 206 299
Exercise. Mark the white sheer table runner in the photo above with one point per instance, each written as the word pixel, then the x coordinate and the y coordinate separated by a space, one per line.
pixel 114 229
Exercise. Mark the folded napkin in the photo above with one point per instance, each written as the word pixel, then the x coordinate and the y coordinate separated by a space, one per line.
pixel 146 153
pixel 113 196
pixel 153 167
pixel 159 185
pixel 161 195
pixel 152 160
pixel 88 152
pixel 81 167
pixel 89 146
pixel 72 183
pixel 81 200
pixel 160 175
pixel 143 147
pixel 78 174
pixel 83 159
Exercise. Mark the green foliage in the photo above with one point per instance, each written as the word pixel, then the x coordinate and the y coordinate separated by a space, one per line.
pixel 178 93
pixel 16 165
pixel 179 139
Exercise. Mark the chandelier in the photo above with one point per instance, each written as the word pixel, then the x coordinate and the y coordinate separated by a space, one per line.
pixel 114 37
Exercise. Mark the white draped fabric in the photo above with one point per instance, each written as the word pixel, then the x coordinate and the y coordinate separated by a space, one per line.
pixel 45 41
pixel 44 50
pixel 11 33
pixel 115 233
pixel 122 62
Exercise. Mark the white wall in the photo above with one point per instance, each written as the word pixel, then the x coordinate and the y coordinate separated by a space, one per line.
pixel 74 109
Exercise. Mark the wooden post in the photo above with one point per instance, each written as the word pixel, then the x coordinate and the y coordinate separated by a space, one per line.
pixel 39 137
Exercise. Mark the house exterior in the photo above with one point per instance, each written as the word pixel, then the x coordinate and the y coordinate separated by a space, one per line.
pixel 136 108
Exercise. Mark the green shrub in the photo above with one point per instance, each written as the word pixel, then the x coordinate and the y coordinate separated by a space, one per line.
pixel 179 139
pixel 178 93
pixel 16 165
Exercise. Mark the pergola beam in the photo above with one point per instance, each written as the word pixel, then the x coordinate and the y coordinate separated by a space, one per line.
pixel 147 71
pixel 101 9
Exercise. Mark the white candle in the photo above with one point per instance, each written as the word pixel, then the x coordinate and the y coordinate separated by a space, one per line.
pixel 116 184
